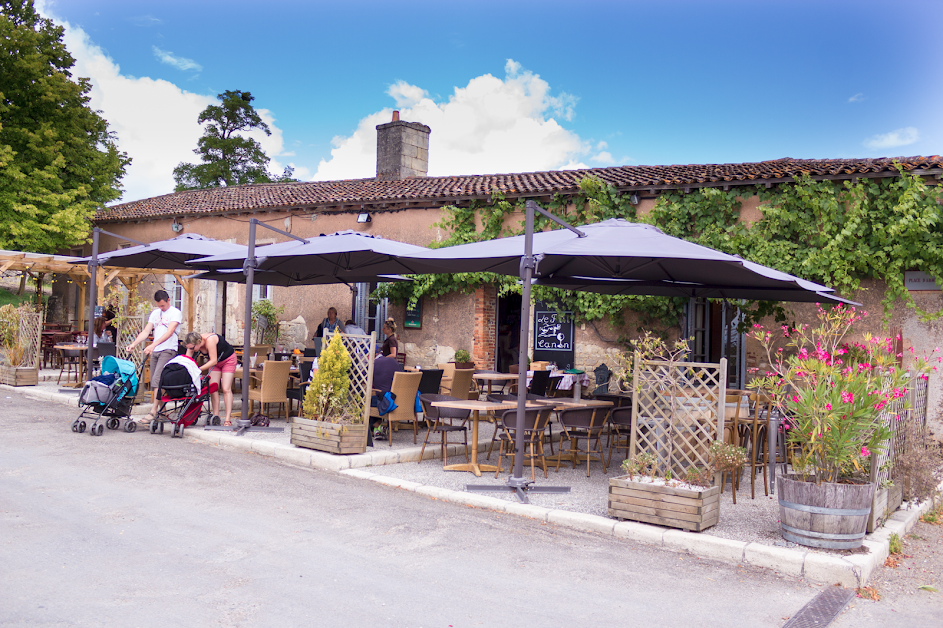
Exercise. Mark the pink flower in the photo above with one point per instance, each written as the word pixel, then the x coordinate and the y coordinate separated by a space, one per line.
pixel 847 397
pixel 864 451
pixel 828 406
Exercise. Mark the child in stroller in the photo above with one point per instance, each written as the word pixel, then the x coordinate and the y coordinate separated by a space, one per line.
pixel 184 395
pixel 110 395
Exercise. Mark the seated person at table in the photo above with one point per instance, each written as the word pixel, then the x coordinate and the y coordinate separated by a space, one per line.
pixel 384 368
pixel 101 332
pixel 221 365
pixel 350 327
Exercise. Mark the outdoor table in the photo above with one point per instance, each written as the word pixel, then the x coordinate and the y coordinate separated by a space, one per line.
pixel 75 347
pixel 475 406
pixel 494 377
pixel 568 381
pixel 565 404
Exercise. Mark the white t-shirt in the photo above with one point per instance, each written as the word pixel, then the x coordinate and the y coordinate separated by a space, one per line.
pixel 161 321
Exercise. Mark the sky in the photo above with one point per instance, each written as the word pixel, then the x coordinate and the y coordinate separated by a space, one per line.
pixel 514 86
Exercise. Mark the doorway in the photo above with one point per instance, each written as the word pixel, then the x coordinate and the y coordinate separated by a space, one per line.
pixel 508 331
pixel 713 327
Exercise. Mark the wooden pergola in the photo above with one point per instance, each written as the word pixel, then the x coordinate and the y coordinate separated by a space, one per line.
pixel 38 265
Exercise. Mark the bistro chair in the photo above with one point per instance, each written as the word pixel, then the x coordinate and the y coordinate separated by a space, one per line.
pixel 539 383
pixel 270 387
pixel 583 424
pixel 400 357
pixel 752 435
pixel 298 393
pixel 497 386
pixel 535 422
pixel 71 361
pixel 430 382
pixel 620 431
pixel 496 398
pixel 461 384
pixel 405 386
pixel 442 421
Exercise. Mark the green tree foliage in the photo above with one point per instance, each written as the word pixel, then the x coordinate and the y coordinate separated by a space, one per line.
pixel 227 157
pixel 58 161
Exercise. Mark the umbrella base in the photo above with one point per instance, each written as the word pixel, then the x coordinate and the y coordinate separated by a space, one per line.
pixel 519 486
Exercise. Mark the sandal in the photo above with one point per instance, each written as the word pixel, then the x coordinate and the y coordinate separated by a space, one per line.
pixel 227 424
pixel 147 419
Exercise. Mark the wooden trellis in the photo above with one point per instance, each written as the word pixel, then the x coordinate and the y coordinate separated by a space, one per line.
pixel 677 412
pixel 362 350
pixel 129 329
pixel 30 338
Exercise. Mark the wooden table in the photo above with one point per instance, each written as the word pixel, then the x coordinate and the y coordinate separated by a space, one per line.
pixel 475 406
pixel 494 377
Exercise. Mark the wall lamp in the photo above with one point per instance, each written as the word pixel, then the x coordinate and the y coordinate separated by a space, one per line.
pixel 363 217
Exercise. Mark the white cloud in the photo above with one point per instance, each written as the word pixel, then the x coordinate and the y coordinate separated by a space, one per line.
pixel 604 158
pixel 857 98
pixel 155 120
pixel 491 125
pixel 899 137
pixel 145 20
pixel 181 63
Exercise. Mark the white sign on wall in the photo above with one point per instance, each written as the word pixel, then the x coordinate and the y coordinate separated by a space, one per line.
pixel 919 280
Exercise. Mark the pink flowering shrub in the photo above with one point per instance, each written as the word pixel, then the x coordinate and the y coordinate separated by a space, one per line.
pixel 834 393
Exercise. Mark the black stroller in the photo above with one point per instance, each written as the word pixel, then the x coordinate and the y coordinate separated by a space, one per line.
pixel 181 403
pixel 112 401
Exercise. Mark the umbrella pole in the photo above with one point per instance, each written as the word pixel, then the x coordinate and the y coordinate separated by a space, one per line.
pixel 92 301
pixel 249 269
pixel 516 483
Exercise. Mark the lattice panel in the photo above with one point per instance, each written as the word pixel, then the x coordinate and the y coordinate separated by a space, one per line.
pixel 677 412
pixel 30 338
pixel 128 330
pixel 362 350
pixel 912 422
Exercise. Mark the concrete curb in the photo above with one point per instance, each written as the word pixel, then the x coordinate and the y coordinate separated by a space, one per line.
pixel 848 571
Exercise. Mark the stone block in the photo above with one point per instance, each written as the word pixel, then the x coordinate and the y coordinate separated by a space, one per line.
pixel 360 474
pixel 704 546
pixel 435 492
pixel 329 462
pixel 295 455
pixel 785 560
pixel 641 532
pixel 581 521
pixel 264 447
pixel 526 510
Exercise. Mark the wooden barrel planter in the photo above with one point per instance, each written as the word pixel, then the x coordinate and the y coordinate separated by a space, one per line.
pixel 832 516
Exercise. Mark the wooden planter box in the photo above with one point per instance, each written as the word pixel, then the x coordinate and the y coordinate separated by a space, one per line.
pixel 693 510
pixel 333 438
pixel 19 376
pixel 886 501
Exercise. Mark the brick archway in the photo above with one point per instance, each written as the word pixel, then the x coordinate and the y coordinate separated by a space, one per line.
pixel 486 311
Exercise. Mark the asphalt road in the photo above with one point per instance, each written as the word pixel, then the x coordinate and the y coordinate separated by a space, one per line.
pixel 143 530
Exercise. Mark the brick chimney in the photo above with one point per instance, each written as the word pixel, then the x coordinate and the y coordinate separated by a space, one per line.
pixel 402 149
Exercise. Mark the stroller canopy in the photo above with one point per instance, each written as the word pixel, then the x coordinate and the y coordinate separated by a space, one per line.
pixel 124 370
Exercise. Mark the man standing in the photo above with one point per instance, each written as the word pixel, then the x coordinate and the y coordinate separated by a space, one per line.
pixel 163 322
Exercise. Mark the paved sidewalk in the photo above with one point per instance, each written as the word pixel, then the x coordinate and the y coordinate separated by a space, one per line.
pixel 849 571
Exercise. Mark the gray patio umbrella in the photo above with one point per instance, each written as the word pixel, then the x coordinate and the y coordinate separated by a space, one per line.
pixel 343 256
pixel 613 249
pixel 172 254
pixel 269 278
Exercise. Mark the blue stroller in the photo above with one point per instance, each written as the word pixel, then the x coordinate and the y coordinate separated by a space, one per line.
pixel 112 399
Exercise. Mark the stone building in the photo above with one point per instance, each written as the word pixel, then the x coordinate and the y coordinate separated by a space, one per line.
pixel 403 203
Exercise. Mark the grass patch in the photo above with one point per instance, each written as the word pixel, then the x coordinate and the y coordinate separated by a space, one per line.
pixel 7 297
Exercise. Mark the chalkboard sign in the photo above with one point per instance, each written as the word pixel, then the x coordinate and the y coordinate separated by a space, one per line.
pixel 553 336
pixel 99 311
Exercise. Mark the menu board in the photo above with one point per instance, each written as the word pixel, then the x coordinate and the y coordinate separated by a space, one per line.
pixel 553 336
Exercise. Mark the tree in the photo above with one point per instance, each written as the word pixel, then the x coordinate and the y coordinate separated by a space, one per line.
pixel 229 158
pixel 58 161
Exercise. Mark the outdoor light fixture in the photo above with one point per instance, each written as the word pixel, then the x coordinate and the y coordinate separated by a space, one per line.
pixel 634 199
pixel 176 226
pixel 364 217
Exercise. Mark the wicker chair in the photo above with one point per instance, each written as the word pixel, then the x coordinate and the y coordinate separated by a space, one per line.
pixel 442 421
pixel 620 430
pixel 535 423
pixel 405 386
pixel 271 386
pixel 461 384
pixel 583 424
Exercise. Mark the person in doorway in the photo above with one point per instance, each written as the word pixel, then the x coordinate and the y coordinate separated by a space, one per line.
pixel 220 364
pixel 329 324
pixel 390 346
pixel 163 321
pixel 350 327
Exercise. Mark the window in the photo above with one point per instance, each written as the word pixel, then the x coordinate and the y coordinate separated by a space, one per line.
pixel 175 290
pixel 261 292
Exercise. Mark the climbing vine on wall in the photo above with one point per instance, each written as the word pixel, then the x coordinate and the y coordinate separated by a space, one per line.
pixel 835 233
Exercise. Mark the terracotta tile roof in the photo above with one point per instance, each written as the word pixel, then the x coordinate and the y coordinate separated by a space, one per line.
pixel 432 190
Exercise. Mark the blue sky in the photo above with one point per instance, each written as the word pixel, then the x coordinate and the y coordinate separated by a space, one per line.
pixel 516 86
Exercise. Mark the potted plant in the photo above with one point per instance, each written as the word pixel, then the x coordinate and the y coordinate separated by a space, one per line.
pixel 836 402
pixel 332 422
pixel 691 503
pixel 463 360
pixel 13 371
pixel 265 321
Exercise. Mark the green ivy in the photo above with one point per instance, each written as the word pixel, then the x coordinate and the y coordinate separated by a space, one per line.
pixel 834 233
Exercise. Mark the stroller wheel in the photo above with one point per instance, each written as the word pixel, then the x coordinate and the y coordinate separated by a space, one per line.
pixel 98 431
pixel 217 420
pixel 75 425
pixel 130 426
pixel 81 426
pixel 160 428
pixel 111 424
pixel 154 425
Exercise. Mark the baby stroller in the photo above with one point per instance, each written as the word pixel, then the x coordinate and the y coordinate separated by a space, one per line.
pixel 181 403
pixel 110 395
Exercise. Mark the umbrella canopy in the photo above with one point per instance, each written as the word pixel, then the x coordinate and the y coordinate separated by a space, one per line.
pixel 268 278
pixel 617 249
pixel 344 257
pixel 172 254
